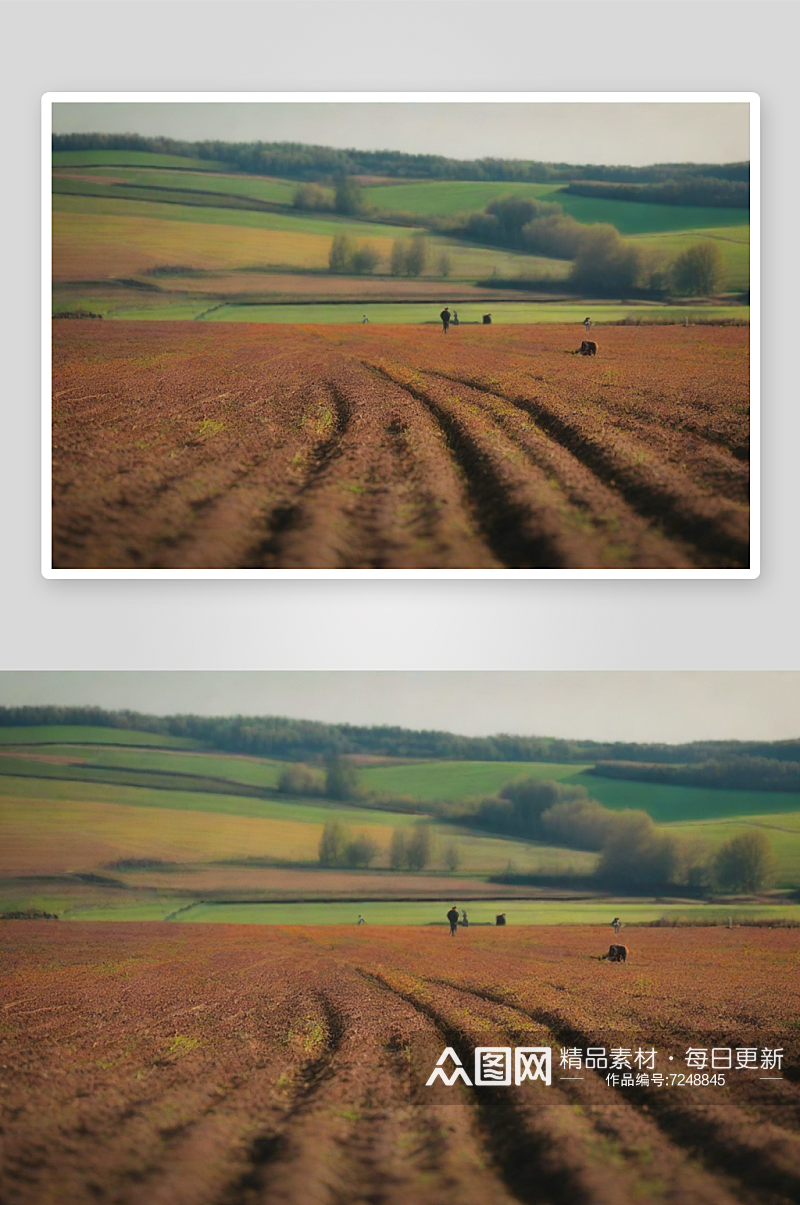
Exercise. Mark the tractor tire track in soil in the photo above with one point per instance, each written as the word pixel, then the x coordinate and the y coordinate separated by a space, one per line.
pixel 721 1136
pixel 191 445
pixel 543 1153
pixel 715 526
pixel 586 521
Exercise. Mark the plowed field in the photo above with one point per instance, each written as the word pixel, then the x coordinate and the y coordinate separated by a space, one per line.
pixel 180 445
pixel 150 1065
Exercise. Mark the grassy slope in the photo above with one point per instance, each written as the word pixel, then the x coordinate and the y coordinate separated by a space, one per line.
pixel 637 217
pixel 782 829
pixel 304 811
pixel 96 237
pixel 456 780
pixel 261 188
pixel 442 197
pixel 252 771
pixel 666 804
pixel 732 241
pixel 133 158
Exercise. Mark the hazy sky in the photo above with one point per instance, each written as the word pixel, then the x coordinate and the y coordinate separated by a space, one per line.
pixel 633 706
pixel 565 132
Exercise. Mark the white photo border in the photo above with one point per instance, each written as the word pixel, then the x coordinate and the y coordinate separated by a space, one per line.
pixel 750 98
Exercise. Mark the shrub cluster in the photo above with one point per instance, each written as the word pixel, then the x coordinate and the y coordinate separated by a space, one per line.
pixel 411 850
pixel 338 847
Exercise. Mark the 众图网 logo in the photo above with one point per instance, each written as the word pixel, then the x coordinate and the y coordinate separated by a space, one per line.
pixel 493 1066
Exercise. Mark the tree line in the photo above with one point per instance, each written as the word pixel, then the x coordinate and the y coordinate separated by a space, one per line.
pixel 686 190
pixel 740 773
pixel 297 740
pixel 293 160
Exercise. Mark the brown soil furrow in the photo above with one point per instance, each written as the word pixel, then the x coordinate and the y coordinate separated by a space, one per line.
pixel 544 1151
pixel 382 493
pixel 625 536
pixel 766 1157
pixel 356 1135
pixel 714 525
pixel 520 512
pixel 194 445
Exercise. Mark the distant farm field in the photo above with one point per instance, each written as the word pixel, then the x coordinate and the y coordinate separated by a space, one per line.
pixel 180 445
pixel 457 779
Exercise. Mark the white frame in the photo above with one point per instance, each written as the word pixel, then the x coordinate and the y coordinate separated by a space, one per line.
pixel 750 98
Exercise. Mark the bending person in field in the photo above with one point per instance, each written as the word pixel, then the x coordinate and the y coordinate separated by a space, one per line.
pixel 445 317
pixel 452 916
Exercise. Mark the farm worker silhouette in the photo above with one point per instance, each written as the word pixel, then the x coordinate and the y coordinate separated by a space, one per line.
pixel 364 319
pixel 587 322
pixel 445 317
pixel 360 920
pixel 615 923
pixel 464 921
pixel 455 317
pixel 452 916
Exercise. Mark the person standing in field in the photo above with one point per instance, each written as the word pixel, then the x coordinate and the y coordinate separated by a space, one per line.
pixel 464 921
pixel 360 920
pixel 587 322
pixel 452 916
pixel 615 923
pixel 445 317
pixel 455 317
pixel 364 319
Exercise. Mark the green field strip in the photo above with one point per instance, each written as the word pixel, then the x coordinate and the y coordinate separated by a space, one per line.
pixel 303 811
pixel 291 223
pixel 669 804
pixel 512 312
pixel 134 159
pixel 598 912
pixel 163 195
pixel 249 771
pixel 641 217
pixel 440 198
pixel 783 831
pixel 458 780
pixel 85 734
pixel 257 188
pixel 164 780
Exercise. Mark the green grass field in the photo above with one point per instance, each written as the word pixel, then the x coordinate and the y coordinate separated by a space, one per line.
pixel 441 198
pixel 598 912
pixel 516 312
pixel 456 780
pixel 133 159
pixel 637 217
pixel 327 225
pixel 303 811
pixel 256 772
pixel 259 188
